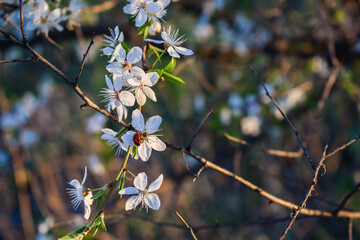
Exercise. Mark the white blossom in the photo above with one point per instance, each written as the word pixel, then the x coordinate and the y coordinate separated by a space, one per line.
pixel 72 13
pixel 110 42
pixel 143 195
pixel 140 84
pixel 117 98
pixel 172 42
pixel 113 141
pixel 79 194
pixel 143 137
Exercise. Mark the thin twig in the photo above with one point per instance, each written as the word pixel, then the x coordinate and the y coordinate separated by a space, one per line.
pixel 22 23
pixel 30 59
pixel 350 229
pixel 198 129
pixel 342 147
pixel 50 40
pixel 325 95
pixel 278 153
pixel 346 199
pixel 313 165
pixel 296 211
pixel 187 225
pixel 83 60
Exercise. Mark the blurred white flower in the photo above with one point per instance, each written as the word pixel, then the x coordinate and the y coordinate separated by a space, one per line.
pixel 113 140
pixel 95 165
pixel 144 138
pixel 72 13
pixel 142 194
pixel 28 137
pixel 251 125
pixel 199 102
pixel 95 123
pixel 79 194
pixel 225 116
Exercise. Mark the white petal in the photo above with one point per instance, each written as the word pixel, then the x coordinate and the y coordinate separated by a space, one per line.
pixel 108 50
pixel 172 52
pixel 155 185
pixel 127 98
pixel 117 84
pixel 137 72
pixel 87 200
pixel 85 175
pixel 154 41
pixel 140 97
pixel 121 37
pixel 133 82
pixel 163 3
pixel 149 93
pixel 154 27
pixel 119 53
pixel 153 7
pixel 108 83
pixel 138 120
pixel 153 201
pixel 87 211
pixel 144 151
pixel 127 138
pixel 153 124
pixel 109 131
pixel 154 77
pixel 141 18
pixel 114 67
pixel 140 181
pixel 156 143
pixel 128 191
pixel 184 51
pixel 134 55
pixel 75 183
pixel 132 202
pixel 119 112
pixel 54 15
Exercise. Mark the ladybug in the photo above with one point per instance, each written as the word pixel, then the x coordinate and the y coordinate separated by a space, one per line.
pixel 137 139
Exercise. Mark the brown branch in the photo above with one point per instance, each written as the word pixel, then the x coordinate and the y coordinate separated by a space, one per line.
pixel 346 199
pixel 50 40
pixel 83 60
pixel 313 165
pixel 342 147
pixel 198 129
pixel 350 229
pixel 22 23
pixel 30 59
pixel 102 7
pixel 187 225
pixel 296 211
pixel 325 95
pixel 278 153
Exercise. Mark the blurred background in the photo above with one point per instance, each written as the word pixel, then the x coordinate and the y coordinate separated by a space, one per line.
pixel 308 55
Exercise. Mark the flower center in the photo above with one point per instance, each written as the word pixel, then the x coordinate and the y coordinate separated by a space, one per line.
pixel 117 95
pixel 126 65
pixel 85 192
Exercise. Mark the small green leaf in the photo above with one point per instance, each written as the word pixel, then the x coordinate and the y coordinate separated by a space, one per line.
pixel 120 132
pixel 171 66
pixel 172 78
pixel 98 202
pixel 99 194
pixel 134 151
pixel 95 231
pixel 75 235
pixel 121 182
pixel 153 51
pixel 144 29
pixel 125 47
pixel 103 226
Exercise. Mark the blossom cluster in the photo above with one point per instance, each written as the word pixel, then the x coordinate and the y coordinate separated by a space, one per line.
pixel 44 16
pixel 129 84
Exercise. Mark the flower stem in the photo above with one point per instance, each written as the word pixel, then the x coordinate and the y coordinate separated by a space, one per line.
pixel 158 58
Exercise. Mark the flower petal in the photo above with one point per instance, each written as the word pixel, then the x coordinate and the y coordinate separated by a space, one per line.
pixel 153 124
pixel 108 51
pixel 155 185
pixel 75 183
pixel 137 72
pixel 172 52
pixel 156 143
pixel 127 138
pixel 133 82
pixel 132 202
pixel 119 53
pixel 84 178
pixel 154 41
pixel 134 55
pixel 109 83
pixel 153 7
pixel 117 84
pixel 127 98
pixel 138 120
pixel 140 181
pixel 153 201
pixel 149 93
pixel 140 97
pixel 141 18
pixel 144 151
pixel 128 191
pixel 87 211
pixel 184 51
pixel 119 112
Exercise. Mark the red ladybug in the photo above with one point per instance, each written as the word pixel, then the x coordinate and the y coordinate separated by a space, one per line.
pixel 137 139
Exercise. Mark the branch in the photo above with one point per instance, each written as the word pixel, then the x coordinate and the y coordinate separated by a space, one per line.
pixel 187 225
pixel 83 60
pixel 313 165
pixel 296 212
pixel 346 199
pixel 198 129
pixel 30 59
pixel 273 152
pixel 342 147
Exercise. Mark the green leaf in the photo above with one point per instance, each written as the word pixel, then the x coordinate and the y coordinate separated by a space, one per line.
pixel 154 51
pixel 98 202
pixel 121 182
pixel 76 234
pixel 134 151
pixel 95 231
pixel 99 194
pixel 125 47
pixel 120 132
pixel 171 66
pixel 103 226
pixel 144 30
pixel 172 78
